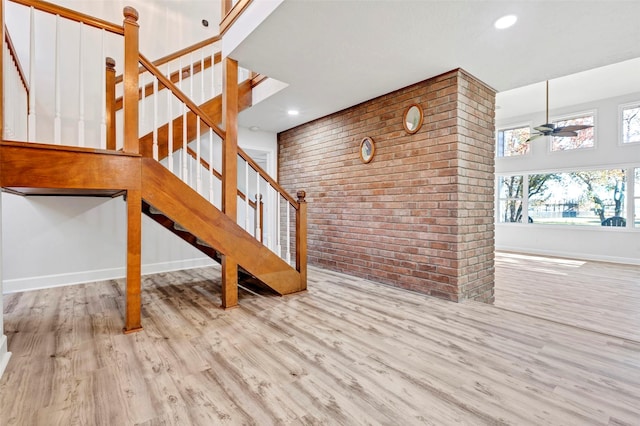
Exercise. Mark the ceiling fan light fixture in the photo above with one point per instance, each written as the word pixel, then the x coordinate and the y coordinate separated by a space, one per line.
pixel 505 22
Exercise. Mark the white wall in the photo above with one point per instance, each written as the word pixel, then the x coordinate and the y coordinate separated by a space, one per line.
pixel 4 355
pixel 606 244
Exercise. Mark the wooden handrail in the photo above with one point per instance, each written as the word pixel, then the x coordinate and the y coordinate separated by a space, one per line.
pixel 231 14
pixel 177 54
pixel 72 15
pixel 178 93
pixel 268 178
pixel 174 77
pixel 14 55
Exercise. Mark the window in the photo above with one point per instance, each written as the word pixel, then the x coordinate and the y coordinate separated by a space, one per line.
pixel 584 139
pixel 630 125
pixel 636 198
pixel 588 197
pixel 510 199
pixel 513 141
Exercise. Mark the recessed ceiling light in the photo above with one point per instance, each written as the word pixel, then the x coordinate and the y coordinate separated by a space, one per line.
pixel 254 128
pixel 505 22
pixel 293 112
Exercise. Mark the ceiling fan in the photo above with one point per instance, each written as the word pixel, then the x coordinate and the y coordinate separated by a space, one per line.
pixel 550 129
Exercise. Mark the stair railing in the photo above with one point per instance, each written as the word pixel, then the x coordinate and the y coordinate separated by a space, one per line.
pixel 64 71
pixel 16 91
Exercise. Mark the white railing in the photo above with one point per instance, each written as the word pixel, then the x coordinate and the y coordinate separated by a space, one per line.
pixel 16 91
pixel 62 53
pixel 274 222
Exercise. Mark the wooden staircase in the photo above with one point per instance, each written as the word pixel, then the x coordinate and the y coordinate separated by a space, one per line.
pixel 135 170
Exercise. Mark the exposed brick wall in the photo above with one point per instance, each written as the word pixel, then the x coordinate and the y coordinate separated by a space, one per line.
pixel 420 214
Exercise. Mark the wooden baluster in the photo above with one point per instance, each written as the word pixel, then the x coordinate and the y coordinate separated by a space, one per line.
pixel 288 257
pixel 155 118
pixel 301 239
pixel 31 130
pixel 109 115
pixel 170 123
pixel 57 120
pixel 131 86
pixel 81 90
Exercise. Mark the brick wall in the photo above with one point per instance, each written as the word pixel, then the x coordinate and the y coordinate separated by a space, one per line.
pixel 420 214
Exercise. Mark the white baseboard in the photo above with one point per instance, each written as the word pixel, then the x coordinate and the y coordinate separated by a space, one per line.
pixel 4 355
pixel 571 255
pixel 59 280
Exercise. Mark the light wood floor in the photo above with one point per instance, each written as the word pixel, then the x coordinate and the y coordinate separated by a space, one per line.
pixel 347 352
pixel 598 296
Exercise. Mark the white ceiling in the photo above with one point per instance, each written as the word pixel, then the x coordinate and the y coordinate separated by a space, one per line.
pixel 335 54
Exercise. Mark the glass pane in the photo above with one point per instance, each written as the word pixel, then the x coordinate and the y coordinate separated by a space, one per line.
pixel 513 141
pixel 631 124
pixel 510 187
pixel 578 198
pixel 584 139
pixel 510 211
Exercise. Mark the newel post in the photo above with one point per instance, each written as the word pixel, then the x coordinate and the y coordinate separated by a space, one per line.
pixel 130 96
pixel 230 143
pixel 134 195
pixel 110 107
pixel 301 239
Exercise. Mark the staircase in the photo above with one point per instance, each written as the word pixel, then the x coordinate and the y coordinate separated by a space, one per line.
pixel 165 160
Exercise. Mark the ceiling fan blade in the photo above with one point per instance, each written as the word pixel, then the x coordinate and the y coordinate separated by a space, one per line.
pixel 534 136
pixel 574 127
pixel 561 132
pixel 547 127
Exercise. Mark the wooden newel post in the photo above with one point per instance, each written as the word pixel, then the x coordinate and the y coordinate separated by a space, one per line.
pixel 130 96
pixel 230 143
pixel 301 239
pixel 110 107
pixel 134 195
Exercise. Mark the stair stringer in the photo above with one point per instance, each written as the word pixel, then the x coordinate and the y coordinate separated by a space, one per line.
pixel 167 193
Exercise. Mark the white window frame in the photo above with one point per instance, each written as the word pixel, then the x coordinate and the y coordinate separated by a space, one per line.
pixel 513 127
pixel 621 109
pixel 574 115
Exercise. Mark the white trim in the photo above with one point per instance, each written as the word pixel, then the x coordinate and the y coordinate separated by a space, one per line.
pixel 4 355
pixel 570 255
pixel 59 280
pixel 513 127
pixel 621 108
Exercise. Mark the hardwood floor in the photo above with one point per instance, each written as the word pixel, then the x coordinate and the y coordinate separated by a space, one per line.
pixel 597 296
pixel 348 351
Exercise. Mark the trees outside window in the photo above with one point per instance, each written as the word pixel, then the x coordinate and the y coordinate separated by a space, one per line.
pixel 565 198
pixel 584 139
pixel 513 141
pixel 630 123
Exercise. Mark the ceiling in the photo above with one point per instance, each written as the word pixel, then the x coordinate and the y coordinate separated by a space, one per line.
pixel 335 54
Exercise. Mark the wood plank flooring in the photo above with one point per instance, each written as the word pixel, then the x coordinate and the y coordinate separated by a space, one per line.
pixel 598 296
pixel 347 352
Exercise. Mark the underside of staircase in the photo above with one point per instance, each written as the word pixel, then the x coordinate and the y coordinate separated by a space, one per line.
pixel 40 169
